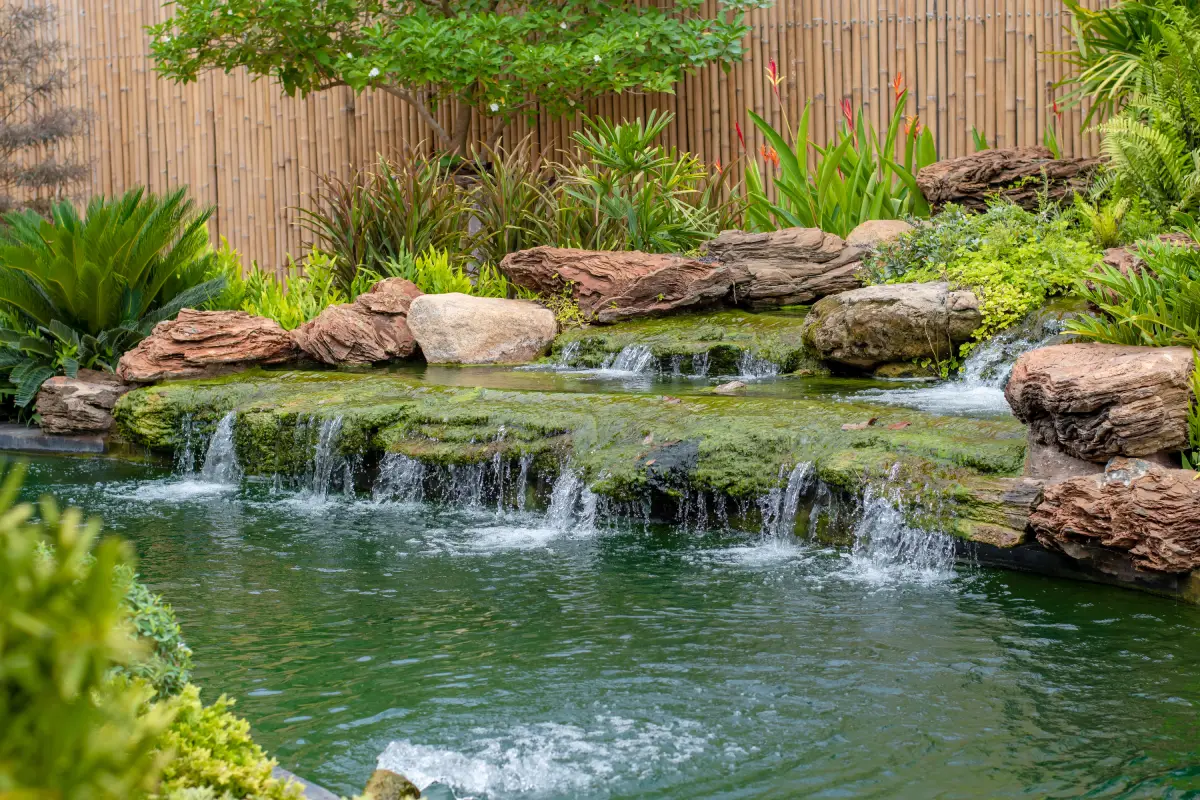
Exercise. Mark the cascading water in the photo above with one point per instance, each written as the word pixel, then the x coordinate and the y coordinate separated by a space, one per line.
pixel 752 367
pixel 634 358
pixel 700 364
pixel 778 507
pixel 326 460
pixel 220 462
pixel 887 547
pixel 523 480
pixel 566 356
pixel 572 504
pixel 401 479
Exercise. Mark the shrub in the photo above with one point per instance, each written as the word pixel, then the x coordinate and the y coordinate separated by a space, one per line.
pixel 434 273
pixel 79 291
pixel 1011 258
pixel 212 749
pixel 1191 457
pixel 167 666
pixel 71 728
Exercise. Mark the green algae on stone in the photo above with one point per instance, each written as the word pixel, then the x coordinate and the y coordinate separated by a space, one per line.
pixel 723 335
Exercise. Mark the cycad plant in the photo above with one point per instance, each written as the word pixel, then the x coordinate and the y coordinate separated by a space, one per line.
pixel 80 290
pixel 856 178
pixel 1153 145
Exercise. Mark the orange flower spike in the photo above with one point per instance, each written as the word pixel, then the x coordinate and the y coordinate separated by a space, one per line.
pixel 898 85
pixel 718 168
pixel 848 112
pixel 737 126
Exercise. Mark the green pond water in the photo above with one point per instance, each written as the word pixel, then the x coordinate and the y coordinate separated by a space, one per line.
pixel 512 655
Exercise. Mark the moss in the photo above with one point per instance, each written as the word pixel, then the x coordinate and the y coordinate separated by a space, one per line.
pixel 723 335
pixel 740 444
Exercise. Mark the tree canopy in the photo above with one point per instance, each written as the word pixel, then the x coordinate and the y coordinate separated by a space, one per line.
pixel 496 57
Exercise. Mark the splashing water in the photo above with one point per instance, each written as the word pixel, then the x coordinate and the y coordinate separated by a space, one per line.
pixel 400 479
pixel 220 462
pixel 326 459
pixel 778 507
pixel 751 367
pixel 566 356
pixel 563 498
pixel 700 364
pixel 523 480
pixel 635 358
pixel 887 549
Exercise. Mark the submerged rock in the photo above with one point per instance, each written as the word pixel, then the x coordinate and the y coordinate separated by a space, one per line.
pixel 387 785
pixel 612 286
pixel 206 343
pixel 1096 401
pixel 372 329
pixel 733 387
pixel 460 329
pixel 1022 175
pixel 1148 511
pixel 82 404
pixel 787 267
pixel 875 325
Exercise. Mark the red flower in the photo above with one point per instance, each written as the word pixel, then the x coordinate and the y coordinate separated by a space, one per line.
pixel 848 112
pixel 717 166
pixel 737 126
pixel 898 85
pixel 1057 110
pixel 773 77
pixel 912 125
pixel 770 156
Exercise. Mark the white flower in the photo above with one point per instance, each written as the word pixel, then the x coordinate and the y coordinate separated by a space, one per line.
pixel 571 102
pixel 596 58
pixel 494 107
pixel 562 25
pixel 374 73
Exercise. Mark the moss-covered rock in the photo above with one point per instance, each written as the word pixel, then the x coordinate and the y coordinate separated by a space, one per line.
pixel 711 344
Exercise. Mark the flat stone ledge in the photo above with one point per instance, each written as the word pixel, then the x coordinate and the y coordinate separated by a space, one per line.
pixel 31 440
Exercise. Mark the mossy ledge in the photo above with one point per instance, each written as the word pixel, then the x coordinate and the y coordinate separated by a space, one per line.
pixel 625 446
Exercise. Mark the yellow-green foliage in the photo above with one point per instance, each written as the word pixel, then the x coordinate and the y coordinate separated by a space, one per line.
pixel 1014 260
pixel 70 729
pixel 212 749
pixel 434 273
pixel 168 664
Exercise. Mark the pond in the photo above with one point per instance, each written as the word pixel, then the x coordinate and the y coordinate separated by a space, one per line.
pixel 520 655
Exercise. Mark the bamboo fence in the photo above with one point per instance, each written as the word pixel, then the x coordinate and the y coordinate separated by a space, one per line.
pixel 255 154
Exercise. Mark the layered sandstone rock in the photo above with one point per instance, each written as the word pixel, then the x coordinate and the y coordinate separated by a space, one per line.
pixel 203 343
pixel 1150 512
pixel 787 267
pixel 1021 175
pixel 611 286
pixel 1095 401
pixel 460 329
pixel 82 404
pixel 875 232
pixel 372 329
pixel 875 325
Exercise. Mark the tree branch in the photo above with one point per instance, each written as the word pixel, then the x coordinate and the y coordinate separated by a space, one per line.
pixel 422 109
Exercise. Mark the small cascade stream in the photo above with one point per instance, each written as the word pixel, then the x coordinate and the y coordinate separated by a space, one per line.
pixel 572 504
pixel 220 462
pixel 778 507
pixel 888 548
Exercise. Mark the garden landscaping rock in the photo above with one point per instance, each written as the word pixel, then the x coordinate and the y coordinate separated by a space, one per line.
pixel 461 329
pixel 206 343
pixel 1096 401
pixel 865 328
pixel 1148 511
pixel 874 232
pixel 372 329
pixel 1021 175
pixel 387 785
pixel 733 387
pixel 612 286
pixel 82 404
pixel 792 266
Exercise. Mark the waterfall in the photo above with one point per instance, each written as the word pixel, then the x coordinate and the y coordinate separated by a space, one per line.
pixel 464 485
pixel 566 356
pixel 751 367
pixel 326 459
pixel 523 480
pixel 887 546
pixel 778 507
pixel 400 478
pixel 700 364
pixel 635 358
pixel 220 462
pixel 563 498
pixel 185 450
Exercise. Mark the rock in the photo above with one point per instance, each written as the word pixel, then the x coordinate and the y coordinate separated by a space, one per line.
pixel 787 267
pixel 1047 463
pixel 372 329
pixel 1125 258
pixel 906 370
pixel 1095 401
pixel 874 232
pixel 1150 512
pixel 733 387
pixel 82 404
pixel 1021 175
pixel 611 286
pixel 997 510
pixel 875 325
pixel 461 329
pixel 204 343
pixel 387 785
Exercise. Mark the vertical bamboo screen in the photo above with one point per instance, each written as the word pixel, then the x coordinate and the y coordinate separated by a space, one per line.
pixel 256 155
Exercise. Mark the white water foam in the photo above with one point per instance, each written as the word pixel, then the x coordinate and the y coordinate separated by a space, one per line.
pixel 888 550
pixel 220 462
pixel 549 759
pixel 401 479
pixel 753 368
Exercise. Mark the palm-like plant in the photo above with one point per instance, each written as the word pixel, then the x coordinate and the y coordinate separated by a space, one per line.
pixel 79 291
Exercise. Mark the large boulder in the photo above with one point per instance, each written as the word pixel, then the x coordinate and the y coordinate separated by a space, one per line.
pixel 787 267
pixel 1146 510
pixel 373 328
pixel 612 286
pixel 1021 175
pixel 872 233
pixel 461 329
pixel 1096 401
pixel 866 328
pixel 82 404
pixel 198 344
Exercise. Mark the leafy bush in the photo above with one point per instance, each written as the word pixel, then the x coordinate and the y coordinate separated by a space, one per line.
pixel 212 749
pixel 168 664
pixel 1157 305
pixel 71 728
pixel 1011 258
pixel 1191 458
pixel 433 273
pixel 856 177
pixel 398 207
pixel 79 291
